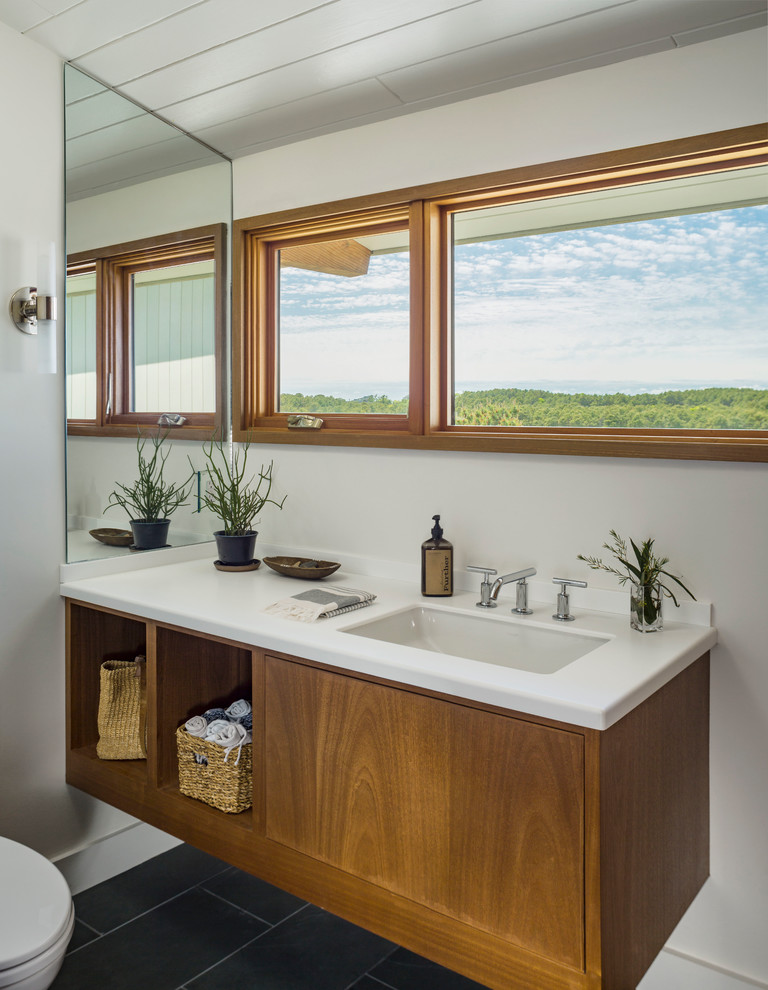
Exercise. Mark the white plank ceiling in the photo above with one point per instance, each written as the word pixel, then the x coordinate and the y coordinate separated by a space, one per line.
pixel 247 75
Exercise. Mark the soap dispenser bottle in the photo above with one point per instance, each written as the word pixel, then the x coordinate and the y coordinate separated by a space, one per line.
pixel 436 564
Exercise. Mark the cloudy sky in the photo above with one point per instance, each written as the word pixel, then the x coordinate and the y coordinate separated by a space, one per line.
pixel 674 300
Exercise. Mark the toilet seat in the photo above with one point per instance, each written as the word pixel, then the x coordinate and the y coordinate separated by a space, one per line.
pixel 40 971
pixel 36 911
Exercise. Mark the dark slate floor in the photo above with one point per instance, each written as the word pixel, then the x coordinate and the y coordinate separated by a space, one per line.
pixel 187 921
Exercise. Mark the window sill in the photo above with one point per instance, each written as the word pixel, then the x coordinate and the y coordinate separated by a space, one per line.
pixel 132 432
pixel 701 447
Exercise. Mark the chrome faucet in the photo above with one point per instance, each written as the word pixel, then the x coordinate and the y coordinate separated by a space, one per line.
pixel 563 613
pixel 485 585
pixel 521 594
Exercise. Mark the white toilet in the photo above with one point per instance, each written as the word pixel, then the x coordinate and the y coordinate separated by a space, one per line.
pixel 36 918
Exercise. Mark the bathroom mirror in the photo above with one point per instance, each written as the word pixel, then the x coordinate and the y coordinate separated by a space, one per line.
pixel 134 182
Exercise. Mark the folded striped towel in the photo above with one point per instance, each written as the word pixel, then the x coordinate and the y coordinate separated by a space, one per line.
pixel 214 713
pixel 317 603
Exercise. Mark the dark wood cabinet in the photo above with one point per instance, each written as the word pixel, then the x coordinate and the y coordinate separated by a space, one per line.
pixel 525 853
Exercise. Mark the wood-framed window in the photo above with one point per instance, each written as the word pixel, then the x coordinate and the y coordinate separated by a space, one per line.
pixel 145 334
pixel 328 299
pixel 607 306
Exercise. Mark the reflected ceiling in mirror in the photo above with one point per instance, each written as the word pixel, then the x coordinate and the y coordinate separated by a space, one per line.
pixel 112 142
pixel 130 176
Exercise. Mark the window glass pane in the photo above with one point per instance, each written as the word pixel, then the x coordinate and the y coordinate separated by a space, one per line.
pixel 344 318
pixel 640 307
pixel 81 346
pixel 174 339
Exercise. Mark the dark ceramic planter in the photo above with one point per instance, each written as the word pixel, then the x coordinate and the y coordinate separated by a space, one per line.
pixel 235 550
pixel 150 534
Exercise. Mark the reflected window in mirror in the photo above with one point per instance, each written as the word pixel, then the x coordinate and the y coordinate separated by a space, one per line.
pixel 81 344
pixel 145 323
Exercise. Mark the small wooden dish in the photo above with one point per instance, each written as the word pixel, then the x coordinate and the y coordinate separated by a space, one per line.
pixel 113 537
pixel 302 567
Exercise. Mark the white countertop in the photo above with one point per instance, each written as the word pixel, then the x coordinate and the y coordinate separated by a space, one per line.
pixel 594 691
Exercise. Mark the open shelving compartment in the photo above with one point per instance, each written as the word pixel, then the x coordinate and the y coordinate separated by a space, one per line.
pixel 185 675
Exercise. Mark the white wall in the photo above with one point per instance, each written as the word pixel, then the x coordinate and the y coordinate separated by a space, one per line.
pixel 36 806
pixel 176 202
pixel 513 510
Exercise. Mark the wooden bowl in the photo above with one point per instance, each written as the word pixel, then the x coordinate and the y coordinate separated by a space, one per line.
pixel 113 537
pixel 302 567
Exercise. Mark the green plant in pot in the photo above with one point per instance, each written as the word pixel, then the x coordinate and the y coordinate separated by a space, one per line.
pixel 236 498
pixel 646 574
pixel 150 500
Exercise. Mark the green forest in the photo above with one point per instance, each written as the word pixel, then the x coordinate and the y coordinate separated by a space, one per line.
pixel 687 409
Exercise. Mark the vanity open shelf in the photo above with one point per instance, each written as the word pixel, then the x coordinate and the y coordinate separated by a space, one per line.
pixel 523 852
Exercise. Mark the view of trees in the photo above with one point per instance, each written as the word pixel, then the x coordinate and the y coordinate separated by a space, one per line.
pixel 687 409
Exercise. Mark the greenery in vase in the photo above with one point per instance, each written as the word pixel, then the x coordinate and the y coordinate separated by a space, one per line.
pixel 647 570
pixel 151 497
pixel 235 499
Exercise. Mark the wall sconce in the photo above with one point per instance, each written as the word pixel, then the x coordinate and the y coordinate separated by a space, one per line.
pixel 33 310
pixel 28 309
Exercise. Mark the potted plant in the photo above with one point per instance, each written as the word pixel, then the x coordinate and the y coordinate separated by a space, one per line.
pixel 150 500
pixel 236 499
pixel 645 574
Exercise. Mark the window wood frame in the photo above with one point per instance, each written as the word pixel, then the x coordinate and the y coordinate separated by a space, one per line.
pixel 114 266
pixel 431 342
pixel 256 362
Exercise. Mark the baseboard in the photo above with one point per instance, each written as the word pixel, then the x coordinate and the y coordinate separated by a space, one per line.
pixel 105 858
pixel 673 971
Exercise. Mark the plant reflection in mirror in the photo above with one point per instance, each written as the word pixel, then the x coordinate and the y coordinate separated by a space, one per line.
pixel 647 572
pixel 151 497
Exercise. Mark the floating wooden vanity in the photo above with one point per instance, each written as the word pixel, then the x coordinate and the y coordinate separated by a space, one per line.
pixel 523 852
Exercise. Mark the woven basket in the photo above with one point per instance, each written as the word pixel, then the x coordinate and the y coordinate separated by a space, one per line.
pixel 121 718
pixel 204 774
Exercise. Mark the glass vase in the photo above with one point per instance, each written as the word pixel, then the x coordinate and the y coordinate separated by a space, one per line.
pixel 645 608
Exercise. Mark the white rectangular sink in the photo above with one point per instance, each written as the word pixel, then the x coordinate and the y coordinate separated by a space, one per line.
pixel 505 643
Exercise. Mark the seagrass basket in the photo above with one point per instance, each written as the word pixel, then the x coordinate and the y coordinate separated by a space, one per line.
pixel 205 775
pixel 121 718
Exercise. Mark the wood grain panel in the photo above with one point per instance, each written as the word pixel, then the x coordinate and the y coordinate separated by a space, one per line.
pixel 654 822
pixel 476 815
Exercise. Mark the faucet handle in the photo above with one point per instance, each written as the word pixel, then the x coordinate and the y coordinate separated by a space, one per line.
pixel 485 586
pixel 563 613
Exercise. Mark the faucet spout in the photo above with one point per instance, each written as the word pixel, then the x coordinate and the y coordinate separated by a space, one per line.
pixel 498 584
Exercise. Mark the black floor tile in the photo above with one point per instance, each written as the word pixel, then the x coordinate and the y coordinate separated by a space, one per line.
pixel 403 970
pixel 253 895
pixel 127 895
pixel 367 983
pixel 163 948
pixel 81 935
pixel 312 950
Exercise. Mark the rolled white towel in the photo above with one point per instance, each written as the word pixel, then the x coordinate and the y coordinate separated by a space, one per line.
pixel 196 726
pixel 239 709
pixel 230 735
pixel 214 728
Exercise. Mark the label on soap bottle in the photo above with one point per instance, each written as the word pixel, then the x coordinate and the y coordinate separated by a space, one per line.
pixel 438 573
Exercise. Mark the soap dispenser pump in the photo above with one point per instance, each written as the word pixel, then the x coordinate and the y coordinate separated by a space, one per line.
pixel 436 564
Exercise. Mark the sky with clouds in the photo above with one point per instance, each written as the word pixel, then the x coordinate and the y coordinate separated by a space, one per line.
pixel 672 300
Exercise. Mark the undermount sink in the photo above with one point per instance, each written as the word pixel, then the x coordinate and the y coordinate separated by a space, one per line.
pixel 481 637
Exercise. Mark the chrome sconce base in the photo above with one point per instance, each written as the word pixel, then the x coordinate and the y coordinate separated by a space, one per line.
pixel 27 307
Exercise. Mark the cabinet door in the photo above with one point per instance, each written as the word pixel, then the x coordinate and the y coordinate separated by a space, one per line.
pixel 476 815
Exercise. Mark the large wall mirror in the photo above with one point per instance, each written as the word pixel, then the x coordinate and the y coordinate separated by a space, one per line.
pixel 148 221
